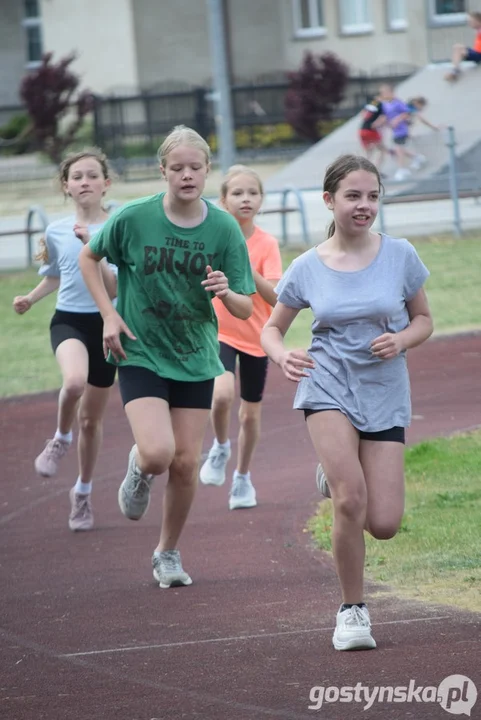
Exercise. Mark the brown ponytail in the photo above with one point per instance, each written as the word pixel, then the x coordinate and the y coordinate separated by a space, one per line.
pixel 42 254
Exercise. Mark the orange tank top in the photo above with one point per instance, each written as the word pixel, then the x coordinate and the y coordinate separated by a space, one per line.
pixel 477 42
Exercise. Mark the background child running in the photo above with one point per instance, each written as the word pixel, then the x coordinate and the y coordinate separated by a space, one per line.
pixel 370 136
pixel 174 251
pixel 461 52
pixel 366 293
pixel 76 328
pixel 416 106
pixel 398 114
pixel 241 196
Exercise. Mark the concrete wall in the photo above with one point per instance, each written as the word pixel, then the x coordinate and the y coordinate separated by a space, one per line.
pixel 257 38
pixel 13 54
pixel 449 104
pixel 101 32
pixel 172 40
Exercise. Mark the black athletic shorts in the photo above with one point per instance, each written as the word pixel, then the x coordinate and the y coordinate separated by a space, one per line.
pixel 394 434
pixel 252 371
pixel 137 382
pixel 88 328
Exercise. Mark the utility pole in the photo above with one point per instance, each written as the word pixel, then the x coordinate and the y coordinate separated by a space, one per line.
pixel 221 94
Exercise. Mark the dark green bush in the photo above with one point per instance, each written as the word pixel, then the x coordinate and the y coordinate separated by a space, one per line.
pixel 16 134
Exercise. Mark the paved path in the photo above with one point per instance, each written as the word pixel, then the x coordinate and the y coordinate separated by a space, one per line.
pixel 86 633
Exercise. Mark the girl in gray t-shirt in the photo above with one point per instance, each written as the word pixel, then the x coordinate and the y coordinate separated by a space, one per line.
pixel 365 290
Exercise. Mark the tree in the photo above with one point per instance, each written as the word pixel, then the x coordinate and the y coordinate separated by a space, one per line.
pixel 314 91
pixel 51 96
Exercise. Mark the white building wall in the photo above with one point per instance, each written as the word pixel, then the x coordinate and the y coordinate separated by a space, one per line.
pixel 256 38
pixel 133 44
pixel 13 55
pixel 172 40
pixel 101 32
pixel 365 52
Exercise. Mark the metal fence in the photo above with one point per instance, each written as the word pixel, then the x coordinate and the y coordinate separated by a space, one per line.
pixel 133 126
pixel 441 193
pixel 446 193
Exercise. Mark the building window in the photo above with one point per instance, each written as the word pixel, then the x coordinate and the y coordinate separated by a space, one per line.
pixel 308 18
pixel 32 25
pixel 396 15
pixel 356 17
pixel 447 12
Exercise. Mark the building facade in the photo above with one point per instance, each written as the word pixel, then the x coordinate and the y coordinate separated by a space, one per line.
pixel 124 46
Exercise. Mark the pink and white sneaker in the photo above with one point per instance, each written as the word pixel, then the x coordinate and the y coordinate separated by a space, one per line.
pixel 81 517
pixel 46 464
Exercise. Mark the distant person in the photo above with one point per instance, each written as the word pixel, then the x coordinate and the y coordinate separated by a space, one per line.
pixel 240 343
pixel 369 132
pixel 174 251
pixel 398 115
pixel 366 292
pixel 461 52
pixel 416 107
pixel 76 328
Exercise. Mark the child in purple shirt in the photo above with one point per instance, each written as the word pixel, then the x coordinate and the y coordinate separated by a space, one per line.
pixel 397 114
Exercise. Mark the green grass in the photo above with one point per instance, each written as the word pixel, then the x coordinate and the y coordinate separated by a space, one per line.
pixel 436 556
pixel 28 365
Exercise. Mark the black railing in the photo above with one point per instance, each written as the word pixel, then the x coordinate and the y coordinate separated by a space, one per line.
pixel 134 126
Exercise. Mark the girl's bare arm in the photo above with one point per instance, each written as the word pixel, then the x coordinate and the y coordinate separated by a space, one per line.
pixel 265 288
pixel 48 285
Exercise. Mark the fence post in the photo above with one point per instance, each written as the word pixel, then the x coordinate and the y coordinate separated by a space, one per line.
pixel 453 181
pixel 382 219
pixel 302 210
pixel 201 114
pixel 146 101
pixel 98 136
pixel 32 211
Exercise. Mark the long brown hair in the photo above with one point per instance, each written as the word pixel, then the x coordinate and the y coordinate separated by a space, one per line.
pixel 339 169
pixel 62 176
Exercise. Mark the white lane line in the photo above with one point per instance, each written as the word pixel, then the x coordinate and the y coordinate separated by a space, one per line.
pixel 235 638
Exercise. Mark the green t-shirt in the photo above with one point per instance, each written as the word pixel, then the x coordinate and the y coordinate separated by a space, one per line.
pixel 160 296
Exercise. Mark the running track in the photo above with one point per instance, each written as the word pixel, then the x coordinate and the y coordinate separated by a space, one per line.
pixel 85 633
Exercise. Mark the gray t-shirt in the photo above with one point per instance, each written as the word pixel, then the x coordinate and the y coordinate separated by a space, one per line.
pixel 63 248
pixel 350 310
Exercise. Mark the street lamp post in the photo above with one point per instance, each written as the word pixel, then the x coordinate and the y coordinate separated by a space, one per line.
pixel 221 94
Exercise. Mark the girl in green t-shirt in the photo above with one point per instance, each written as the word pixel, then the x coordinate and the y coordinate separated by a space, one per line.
pixel 174 252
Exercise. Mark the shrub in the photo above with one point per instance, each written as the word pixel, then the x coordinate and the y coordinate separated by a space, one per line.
pixel 17 135
pixel 314 92
pixel 51 96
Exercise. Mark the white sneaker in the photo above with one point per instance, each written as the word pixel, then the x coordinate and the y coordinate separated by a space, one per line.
pixel 418 162
pixel 353 629
pixel 242 494
pixel 134 492
pixel 212 471
pixel 168 570
pixel 402 174
pixel 321 481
